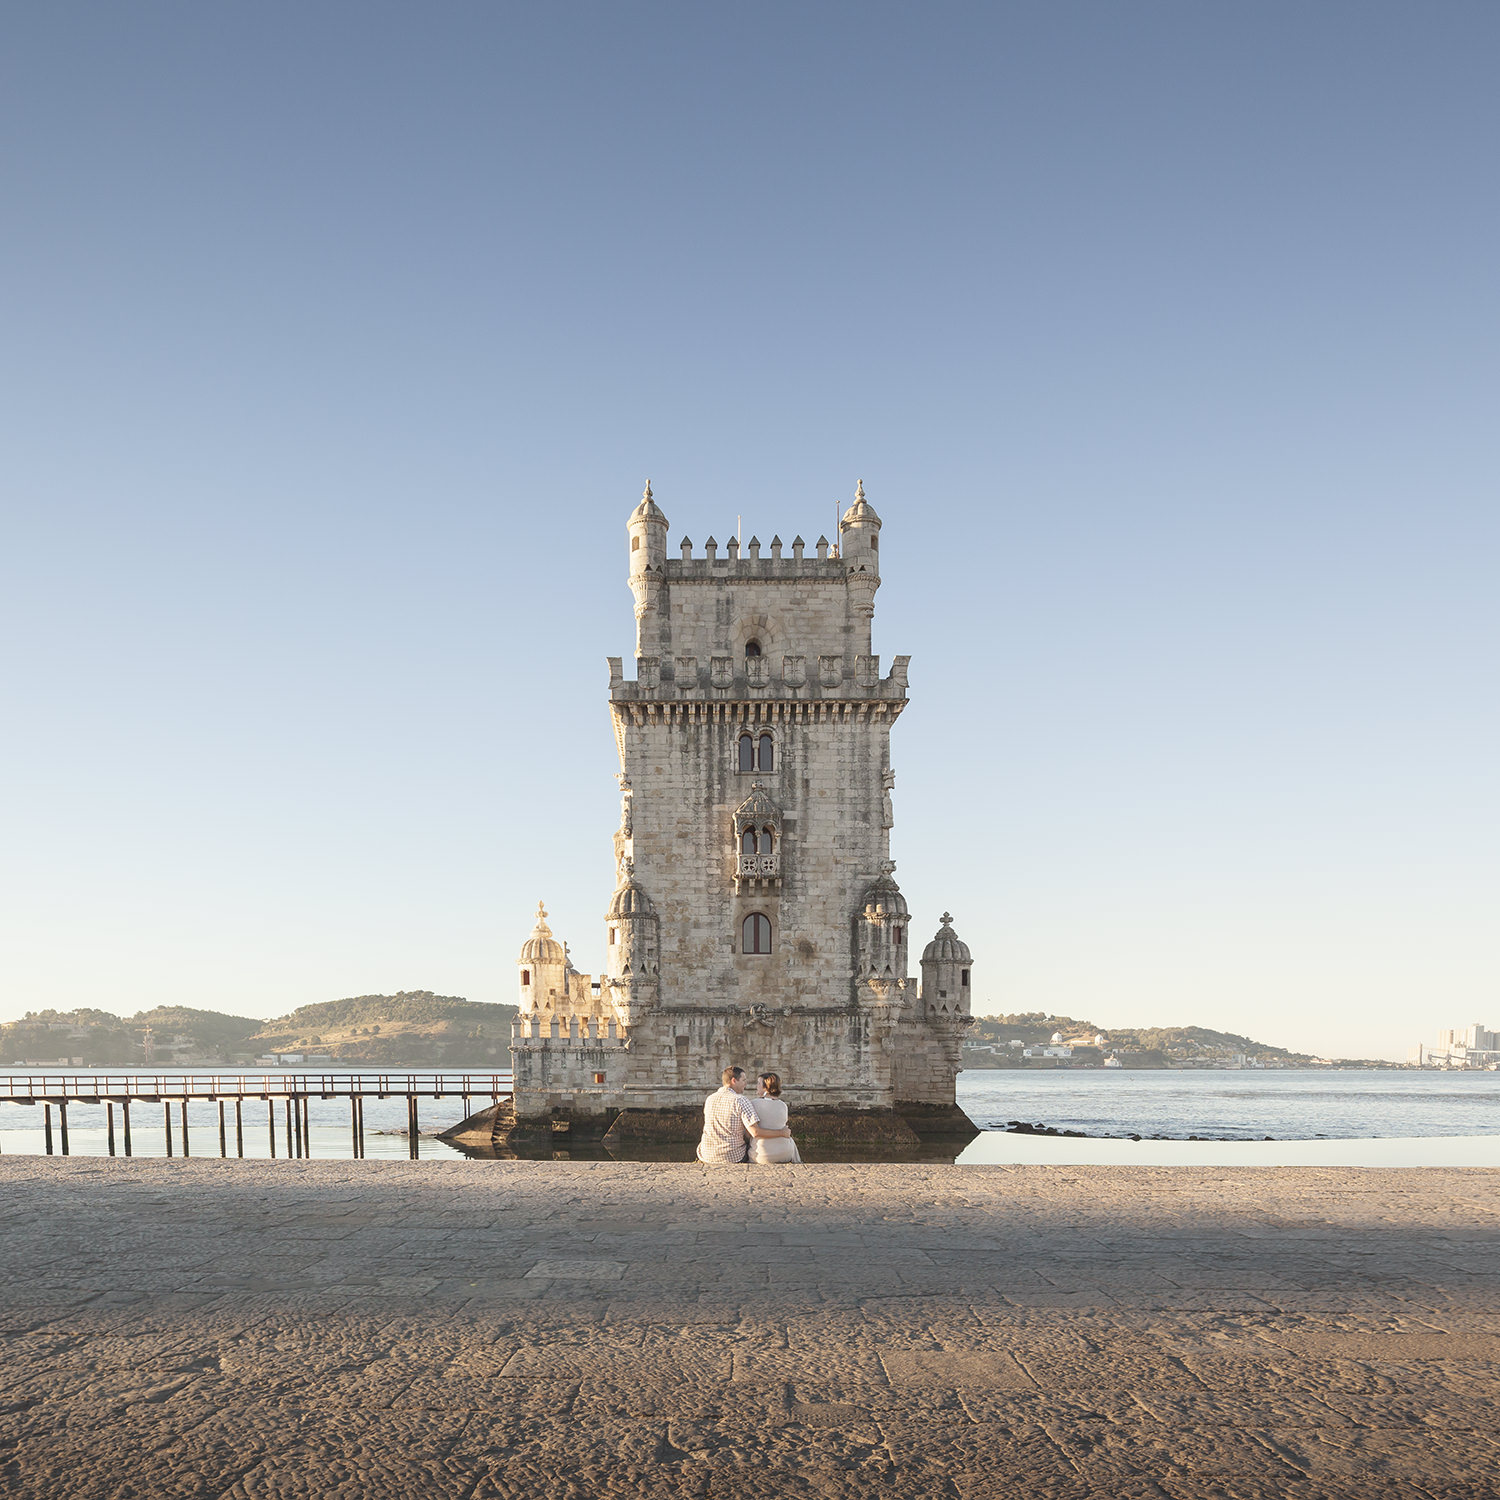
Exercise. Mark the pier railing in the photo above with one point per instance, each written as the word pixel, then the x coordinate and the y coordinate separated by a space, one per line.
pixel 93 1088
pixel 296 1090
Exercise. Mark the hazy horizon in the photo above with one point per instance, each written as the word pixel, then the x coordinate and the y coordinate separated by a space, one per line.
pixel 341 341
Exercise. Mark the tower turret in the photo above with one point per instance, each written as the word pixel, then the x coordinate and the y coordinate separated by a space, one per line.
pixel 648 569
pixel 544 966
pixel 633 966
pixel 945 974
pixel 883 921
pixel 859 547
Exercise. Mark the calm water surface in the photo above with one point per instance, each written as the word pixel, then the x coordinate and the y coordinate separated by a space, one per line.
pixel 1248 1105
pixel 1314 1117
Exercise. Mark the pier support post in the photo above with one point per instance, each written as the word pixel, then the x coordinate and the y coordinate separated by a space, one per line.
pixel 360 1100
pixel 411 1126
pixel 185 1151
pixel 109 1125
pixel 239 1129
pixel 307 1125
pixel 125 1115
pixel 223 1139
pixel 271 1125
pixel 353 1127
pixel 47 1126
pixel 289 1146
pixel 62 1120
pixel 166 1113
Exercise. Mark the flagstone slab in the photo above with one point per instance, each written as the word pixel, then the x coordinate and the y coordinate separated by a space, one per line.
pixel 515 1330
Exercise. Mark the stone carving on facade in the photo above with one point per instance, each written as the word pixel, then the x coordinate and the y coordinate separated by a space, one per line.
pixel 757 841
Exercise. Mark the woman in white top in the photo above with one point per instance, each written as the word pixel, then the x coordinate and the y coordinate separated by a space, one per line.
pixel 771 1112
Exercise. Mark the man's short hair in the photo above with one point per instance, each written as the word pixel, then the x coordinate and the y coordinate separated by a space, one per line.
pixel 730 1074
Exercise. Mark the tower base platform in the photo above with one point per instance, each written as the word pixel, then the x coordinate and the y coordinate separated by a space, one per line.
pixel 895 1130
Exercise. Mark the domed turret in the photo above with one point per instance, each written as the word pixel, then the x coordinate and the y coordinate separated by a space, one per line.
pixel 946 989
pixel 544 964
pixel 884 899
pixel 861 513
pixel 648 509
pixel 947 946
pixel 633 966
pixel 647 527
pixel 884 916
pixel 859 547
pixel 629 901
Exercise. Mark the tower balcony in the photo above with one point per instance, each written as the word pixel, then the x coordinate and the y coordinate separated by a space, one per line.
pixel 757 872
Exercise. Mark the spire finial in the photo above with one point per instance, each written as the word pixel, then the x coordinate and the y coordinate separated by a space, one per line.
pixel 541 914
pixel 647 495
pixel 947 919
pixel 859 490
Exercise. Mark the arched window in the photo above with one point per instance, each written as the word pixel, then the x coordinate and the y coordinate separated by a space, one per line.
pixel 966 979
pixel 897 933
pixel 747 753
pixel 747 843
pixel 614 935
pixel 635 544
pixel 525 976
pixel 752 648
pixel 768 840
pixel 767 753
pixel 756 934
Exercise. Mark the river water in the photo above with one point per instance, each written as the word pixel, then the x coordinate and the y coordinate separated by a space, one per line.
pixel 1315 1117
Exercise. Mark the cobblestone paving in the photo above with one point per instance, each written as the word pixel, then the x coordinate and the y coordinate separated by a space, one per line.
pixel 493 1329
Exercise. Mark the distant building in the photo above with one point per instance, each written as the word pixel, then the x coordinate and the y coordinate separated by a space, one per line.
pixel 1470 1047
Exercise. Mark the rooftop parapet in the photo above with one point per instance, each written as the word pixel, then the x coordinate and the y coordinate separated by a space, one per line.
pixel 748 562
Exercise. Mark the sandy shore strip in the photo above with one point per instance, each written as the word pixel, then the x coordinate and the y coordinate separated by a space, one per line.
pixel 487 1329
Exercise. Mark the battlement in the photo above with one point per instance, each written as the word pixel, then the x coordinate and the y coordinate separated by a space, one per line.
pixel 747 563
pixel 758 678
pixel 591 1032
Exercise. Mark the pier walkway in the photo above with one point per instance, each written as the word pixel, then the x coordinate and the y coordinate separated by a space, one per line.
pixel 294 1091
pixel 479 1330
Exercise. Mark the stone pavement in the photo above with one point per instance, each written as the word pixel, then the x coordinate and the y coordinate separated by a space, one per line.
pixel 488 1329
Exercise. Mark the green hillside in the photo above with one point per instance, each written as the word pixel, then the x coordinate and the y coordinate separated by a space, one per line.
pixel 414 1028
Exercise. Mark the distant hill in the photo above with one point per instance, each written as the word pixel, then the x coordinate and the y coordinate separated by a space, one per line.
pixel 414 1028
pixel 1161 1046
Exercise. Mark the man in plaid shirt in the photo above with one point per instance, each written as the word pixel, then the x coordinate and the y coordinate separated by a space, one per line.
pixel 729 1121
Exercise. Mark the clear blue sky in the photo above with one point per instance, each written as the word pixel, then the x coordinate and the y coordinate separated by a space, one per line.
pixel 339 340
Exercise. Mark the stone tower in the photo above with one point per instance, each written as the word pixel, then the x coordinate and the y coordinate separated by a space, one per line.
pixel 756 918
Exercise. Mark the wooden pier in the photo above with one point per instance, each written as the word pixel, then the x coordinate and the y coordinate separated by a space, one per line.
pixel 293 1091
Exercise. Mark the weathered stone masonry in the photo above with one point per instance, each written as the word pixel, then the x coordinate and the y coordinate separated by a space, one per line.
pixel 755 918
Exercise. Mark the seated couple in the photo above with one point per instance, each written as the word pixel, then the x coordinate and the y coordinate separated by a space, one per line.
pixel 739 1129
